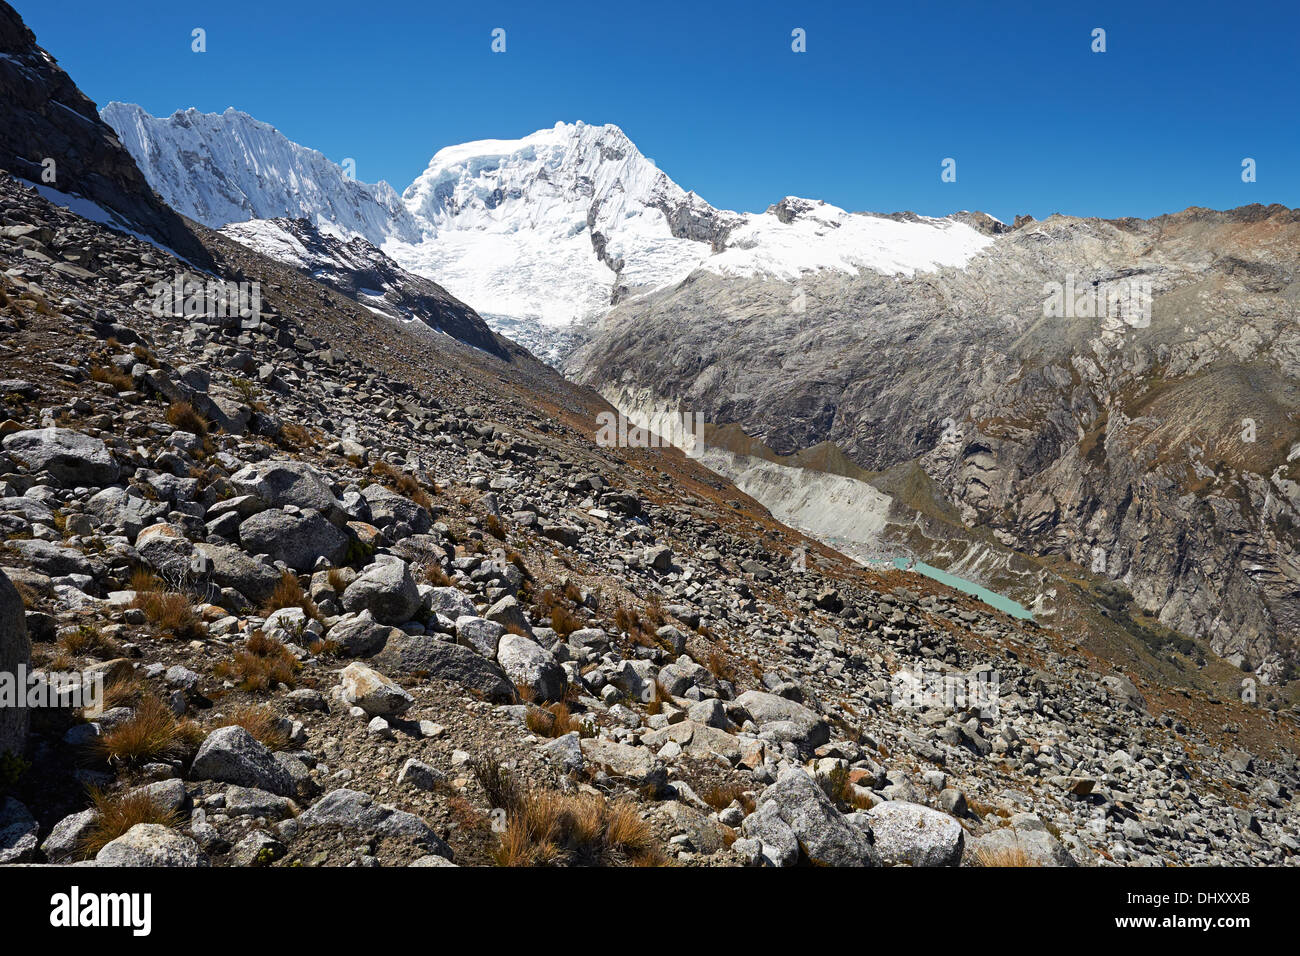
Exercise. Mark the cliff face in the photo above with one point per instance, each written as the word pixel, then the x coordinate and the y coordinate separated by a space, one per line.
pixel 1155 447
pixel 45 118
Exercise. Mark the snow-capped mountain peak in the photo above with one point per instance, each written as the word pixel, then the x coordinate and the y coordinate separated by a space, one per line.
pixel 219 168
pixel 536 233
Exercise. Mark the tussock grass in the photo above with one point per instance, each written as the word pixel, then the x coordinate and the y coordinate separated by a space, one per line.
pixel 260 721
pixel 183 415
pixel 289 593
pixel 1012 856
pixel 152 733
pixel 170 613
pixel 118 813
pixel 118 379
pixel 722 795
pixel 263 664
pixel 551 828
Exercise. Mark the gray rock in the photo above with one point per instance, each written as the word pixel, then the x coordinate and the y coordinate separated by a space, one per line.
pixel 797 822
pixel 149 844
pixel 911 834
pixel 528 664
pixel 126 508
pixel 50 558
pixel 17 832
pixel 281 482
pixel 479 635
pixel 234 568
pixel 233 755
pixel 298 539
pixel 387 590
pixel 388 508
pixel 71 457
pixel 373 692
pixel 360 635
pixel 407 654
pixel 420 775
pixel 509 614
pixel 451 603
pixel 165 548
pixel 257 849
pixel 809 730
pixel 68 836
pixel 357 811
pixel 250 802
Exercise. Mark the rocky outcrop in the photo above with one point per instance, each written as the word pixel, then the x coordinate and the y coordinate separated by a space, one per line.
pixel 46 118
pixel 15 653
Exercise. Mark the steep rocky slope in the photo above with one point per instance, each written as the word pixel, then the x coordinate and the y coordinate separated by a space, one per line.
pixel 380 598
pixel 1158 450
pixel 363 273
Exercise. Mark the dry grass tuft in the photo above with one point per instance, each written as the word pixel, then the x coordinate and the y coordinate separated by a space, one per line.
pixel 435 575
pixel 263 664
pixel 722 795
pixel 118 379
pixel 152 733
pixel 88 639
pixel 183 415
pixel 142 580
pixel 555 720
pixel 550 828
pixel 118 813
pixel 289 593
pixel 720 667
pixel 261 722
pixel 1011 856
pixel 295 437
pixel 171 614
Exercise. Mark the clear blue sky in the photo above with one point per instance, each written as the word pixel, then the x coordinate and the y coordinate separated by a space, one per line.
pixel 711 91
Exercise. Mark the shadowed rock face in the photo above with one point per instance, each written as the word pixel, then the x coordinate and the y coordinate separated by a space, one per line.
pixel 1159 454
pixel 44 116
pixel 362 272
pixel 15 650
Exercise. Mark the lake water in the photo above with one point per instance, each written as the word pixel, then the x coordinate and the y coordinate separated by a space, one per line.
pixel 991 598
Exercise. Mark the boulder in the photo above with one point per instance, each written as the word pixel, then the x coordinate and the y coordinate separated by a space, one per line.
pixel 809 730
pixel 797 823
pixel 908 833
pixel 360 635
pixel 388 508
pixel 479 635
pixel 165 548
pixel 233 755
pixel 149 844
pixel 356 811
pixel 451 602
pixel 280 483
pixel 126 508
pixel 425 654
pixel 387 590
pixel 235 568
pixel 297 538
pixel 374 693
pixel 17 832
pixel 71 457
pixel 529 664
